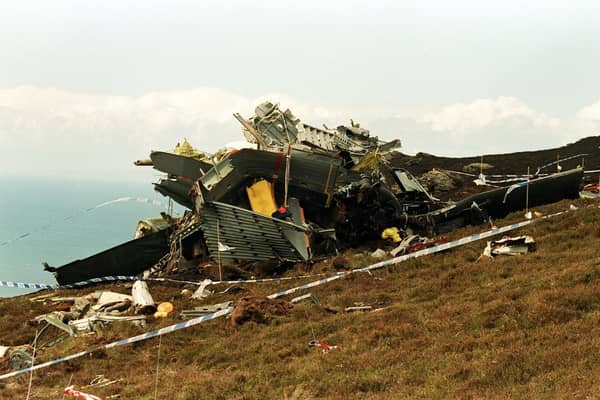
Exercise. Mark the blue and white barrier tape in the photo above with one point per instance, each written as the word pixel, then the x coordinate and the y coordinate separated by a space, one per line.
pixel 229 310
pixel 138 338
pixel 122 278
pixel 24 285
pixel 262 280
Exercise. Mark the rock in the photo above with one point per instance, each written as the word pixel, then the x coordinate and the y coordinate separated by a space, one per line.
pixel 436 182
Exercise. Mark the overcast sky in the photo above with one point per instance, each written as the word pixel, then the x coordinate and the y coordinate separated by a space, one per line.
pixel 87 87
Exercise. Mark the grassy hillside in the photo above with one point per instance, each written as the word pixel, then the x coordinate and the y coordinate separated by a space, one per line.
pixel 450 326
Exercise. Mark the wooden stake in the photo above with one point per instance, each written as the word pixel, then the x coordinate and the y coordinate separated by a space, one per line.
pixel 481 166
pixel 32 362
pixel 527 194
pixel 219 252
pixel 157 363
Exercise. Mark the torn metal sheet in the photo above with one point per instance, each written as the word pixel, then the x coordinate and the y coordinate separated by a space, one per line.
pixel 251 236
pixel 273 128
pixel 510 246
pixel 204 310
pixel 179 165
pixel 19 357
pixel 129 258
pixel 202 291
pixel 90 324
pixel 142 299
pixel 106 299
pixel 56 319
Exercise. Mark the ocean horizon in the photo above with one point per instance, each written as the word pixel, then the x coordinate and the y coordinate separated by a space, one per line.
pixel 59 220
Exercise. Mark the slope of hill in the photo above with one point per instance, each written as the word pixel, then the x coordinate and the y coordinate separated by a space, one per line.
pixel 501 164
pixel 450 325
pixel 509 163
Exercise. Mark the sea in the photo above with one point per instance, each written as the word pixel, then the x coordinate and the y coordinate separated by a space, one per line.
pixel 59 220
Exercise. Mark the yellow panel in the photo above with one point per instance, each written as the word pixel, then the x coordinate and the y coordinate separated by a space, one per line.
pixel 261 198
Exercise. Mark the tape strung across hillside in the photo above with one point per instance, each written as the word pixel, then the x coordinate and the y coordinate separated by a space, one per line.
pixel 196 321
pixel 122 278
pixel 138 338
pixel 23 285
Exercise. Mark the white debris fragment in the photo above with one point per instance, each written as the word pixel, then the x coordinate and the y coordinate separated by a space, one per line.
pixel 379 253
pixel 142 299
pixel 202 292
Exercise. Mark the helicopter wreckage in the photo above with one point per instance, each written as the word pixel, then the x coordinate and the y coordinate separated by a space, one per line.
pixel 302 193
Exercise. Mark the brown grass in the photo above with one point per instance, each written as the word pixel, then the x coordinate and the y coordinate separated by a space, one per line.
pixel 449 327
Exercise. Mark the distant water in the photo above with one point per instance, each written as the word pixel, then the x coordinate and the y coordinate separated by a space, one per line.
pixel 53 212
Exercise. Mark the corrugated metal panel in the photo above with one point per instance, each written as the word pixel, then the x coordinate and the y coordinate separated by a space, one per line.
pixel 251 236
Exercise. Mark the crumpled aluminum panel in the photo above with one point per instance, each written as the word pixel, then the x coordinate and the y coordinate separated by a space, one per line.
pixel 247 236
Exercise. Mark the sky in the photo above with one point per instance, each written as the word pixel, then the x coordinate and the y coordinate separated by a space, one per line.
pixel 88 87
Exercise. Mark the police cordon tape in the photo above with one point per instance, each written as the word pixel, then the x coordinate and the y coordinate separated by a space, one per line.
pixel 138 338
pixel 122 278
pixel 229 310
pixel 262 280
pixel 24 285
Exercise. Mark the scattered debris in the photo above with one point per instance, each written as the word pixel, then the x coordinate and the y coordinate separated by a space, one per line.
pixel 80 395
pixel 307 296
pixel 413 243
pixel 100 381
pixel 106 301
pixel 143 303
pixel 20 357
pixel 358 308
pixel 321 345
pixel 510 246
pixel 379 253
pixel 204 310
pixel 232 289
pixel 202 291
pixel 591 191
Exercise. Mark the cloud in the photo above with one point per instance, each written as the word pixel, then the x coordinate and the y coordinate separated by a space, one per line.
pixel 483 126
pixel 483 113
pixel 589 117
pixel 45 131
pixel 56 132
